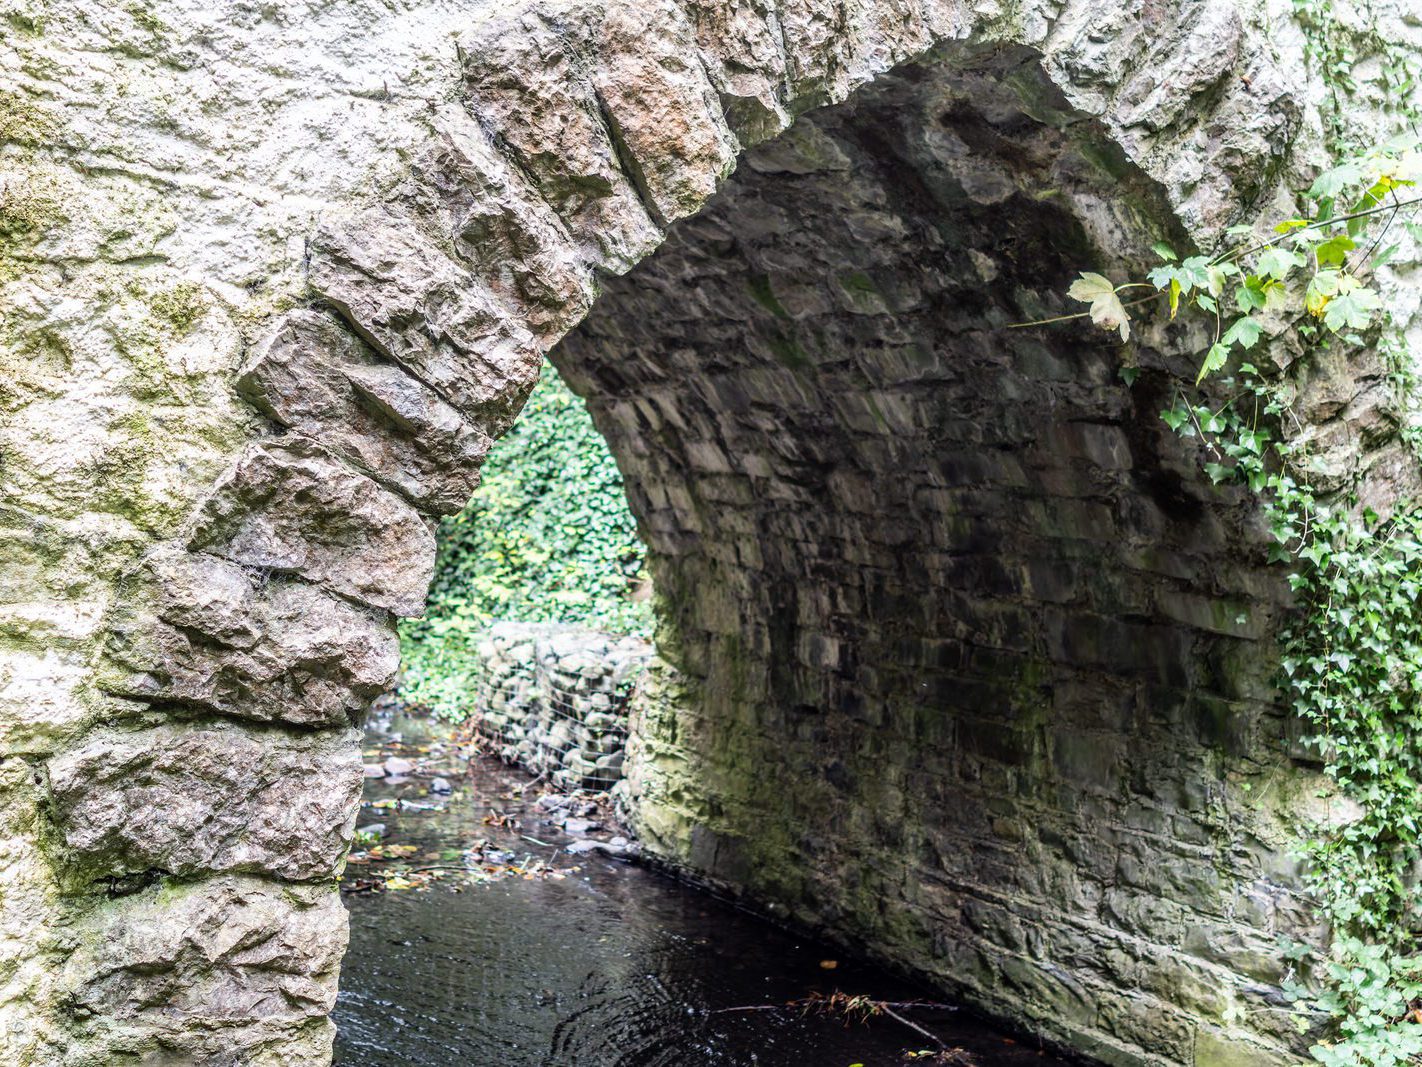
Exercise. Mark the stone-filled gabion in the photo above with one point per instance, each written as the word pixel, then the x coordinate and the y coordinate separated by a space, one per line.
pixel 554 700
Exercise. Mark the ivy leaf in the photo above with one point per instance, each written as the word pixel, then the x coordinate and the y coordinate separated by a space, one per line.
pixel 1385 255
pixel 1216 275
pixel 1193 273
pixel 1306 239
pixel 1164 251
pixel 1275 262
pixel 1351 309
pixel 1215 358
pixel 1275 295
pixel 1322 288
pixel 1106 309
pixel 1244 332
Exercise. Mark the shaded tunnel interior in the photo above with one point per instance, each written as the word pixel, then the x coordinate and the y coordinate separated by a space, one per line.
pixel 968 657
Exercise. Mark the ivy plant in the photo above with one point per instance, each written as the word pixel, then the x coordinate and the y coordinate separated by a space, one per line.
pixel 1352 656
pixel 547 537
pixel 1318 263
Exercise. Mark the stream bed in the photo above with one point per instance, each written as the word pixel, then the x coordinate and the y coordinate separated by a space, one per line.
pixel 495 923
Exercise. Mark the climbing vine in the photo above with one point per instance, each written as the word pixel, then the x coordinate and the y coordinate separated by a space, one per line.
pixel 1352 657
pixel 547 537
pixel 1336 39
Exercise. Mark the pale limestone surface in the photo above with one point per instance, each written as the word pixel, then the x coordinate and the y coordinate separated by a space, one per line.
pixel 193 198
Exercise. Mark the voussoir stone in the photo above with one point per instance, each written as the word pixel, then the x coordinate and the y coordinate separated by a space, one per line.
pixel 661 106
pixel 526 76
pixel 233 970
pixel 287 506
pixel 417 305
pixel 187 799
pixel 501 227
pixel 201 631
pixel 315 377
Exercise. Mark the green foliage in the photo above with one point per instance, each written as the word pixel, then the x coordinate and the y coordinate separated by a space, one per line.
pixel 547 537
pixel 1370 998
pixel 1337 47
pixel 1352 668
pixel 1317 264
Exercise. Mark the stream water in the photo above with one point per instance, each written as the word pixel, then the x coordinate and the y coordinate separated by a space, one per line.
pixel 484 933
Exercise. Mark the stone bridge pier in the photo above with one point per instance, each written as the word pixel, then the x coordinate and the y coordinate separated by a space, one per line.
pixel 963 661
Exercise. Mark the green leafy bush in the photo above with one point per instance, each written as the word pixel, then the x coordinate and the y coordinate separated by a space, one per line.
pixel 547 537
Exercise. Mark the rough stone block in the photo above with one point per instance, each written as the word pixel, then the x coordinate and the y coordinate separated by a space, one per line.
pixel 233 969
pixel 287 507
pixel 200 631
pixel 526 77
pixel 661 109
pixel 316 378
pixel 417 306
pixel 188 800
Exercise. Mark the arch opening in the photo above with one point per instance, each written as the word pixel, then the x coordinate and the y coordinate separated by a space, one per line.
pixel 966 661
pixel 946 676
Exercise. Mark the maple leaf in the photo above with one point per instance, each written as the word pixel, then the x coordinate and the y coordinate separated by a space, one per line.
pixel 1106 308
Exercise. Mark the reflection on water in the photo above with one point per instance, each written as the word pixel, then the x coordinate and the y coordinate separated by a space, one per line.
pixel 609 965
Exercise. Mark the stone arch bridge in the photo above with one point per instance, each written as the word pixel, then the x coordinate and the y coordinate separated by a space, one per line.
pixel 965 661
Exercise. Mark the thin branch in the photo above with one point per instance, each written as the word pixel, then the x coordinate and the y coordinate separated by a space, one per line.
pixel 1368 254
pixel 1085 314
pixel 913 1026
pixel 1249 251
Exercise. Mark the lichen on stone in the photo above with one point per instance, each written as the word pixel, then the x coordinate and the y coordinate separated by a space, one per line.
pixel 180 306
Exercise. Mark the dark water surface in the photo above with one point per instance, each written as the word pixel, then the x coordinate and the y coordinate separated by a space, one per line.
pixel 600 964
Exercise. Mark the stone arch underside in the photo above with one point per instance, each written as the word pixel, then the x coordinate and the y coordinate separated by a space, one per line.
pixel 967 658
pixel 880 522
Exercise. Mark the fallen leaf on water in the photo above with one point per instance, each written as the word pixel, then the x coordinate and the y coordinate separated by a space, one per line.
pixel 829 965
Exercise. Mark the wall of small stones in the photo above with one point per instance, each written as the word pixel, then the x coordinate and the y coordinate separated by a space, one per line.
pixel 554 700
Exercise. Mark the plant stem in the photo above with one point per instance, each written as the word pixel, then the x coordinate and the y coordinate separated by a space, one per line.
pixel 1249 251
pixel 1080 314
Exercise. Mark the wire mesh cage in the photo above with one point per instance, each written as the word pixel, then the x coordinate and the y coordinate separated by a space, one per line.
pixel 555 700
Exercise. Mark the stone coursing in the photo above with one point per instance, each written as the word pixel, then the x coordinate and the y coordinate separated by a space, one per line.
pixel 974 662
pixel 273 278
pixel 554 699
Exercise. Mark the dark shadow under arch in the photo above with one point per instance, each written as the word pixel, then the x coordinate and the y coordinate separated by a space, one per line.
pixel 968 656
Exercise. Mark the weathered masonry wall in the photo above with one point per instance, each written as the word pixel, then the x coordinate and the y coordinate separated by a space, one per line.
pixel 272 278
pixel 974 661
pixel 554 700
